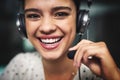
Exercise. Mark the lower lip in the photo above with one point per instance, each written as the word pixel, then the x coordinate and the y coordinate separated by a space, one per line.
pixel 50 46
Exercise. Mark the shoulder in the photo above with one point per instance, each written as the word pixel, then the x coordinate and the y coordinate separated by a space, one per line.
pixel 23 58
pixel 23 65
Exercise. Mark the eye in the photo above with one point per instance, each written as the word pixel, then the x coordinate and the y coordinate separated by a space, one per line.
pixel 61 14
pixel 33 16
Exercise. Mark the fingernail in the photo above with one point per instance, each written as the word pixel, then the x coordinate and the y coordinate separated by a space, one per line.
pixel 90 57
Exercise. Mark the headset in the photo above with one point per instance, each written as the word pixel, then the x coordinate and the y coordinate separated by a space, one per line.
pixel 20 21
pixel 83 20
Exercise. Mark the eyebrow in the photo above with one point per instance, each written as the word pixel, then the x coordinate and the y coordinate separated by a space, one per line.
pixel 32 10
pixel 61 8
pixel 53 9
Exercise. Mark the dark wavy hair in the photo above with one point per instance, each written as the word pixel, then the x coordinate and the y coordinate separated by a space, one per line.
pixel 77 4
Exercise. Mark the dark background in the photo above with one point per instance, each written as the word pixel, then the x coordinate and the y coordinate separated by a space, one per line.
pixel 105 26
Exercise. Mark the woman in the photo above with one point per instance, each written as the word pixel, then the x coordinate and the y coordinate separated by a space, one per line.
pixel 51 28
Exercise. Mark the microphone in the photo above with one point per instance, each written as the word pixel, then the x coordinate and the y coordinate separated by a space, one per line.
pixel 71 54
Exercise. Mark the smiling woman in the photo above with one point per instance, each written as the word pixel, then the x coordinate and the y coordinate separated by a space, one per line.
pixel 52 30
pixel 44 23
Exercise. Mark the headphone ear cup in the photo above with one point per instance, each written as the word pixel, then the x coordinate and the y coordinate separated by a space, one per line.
pixel 82 21
pixel 20 22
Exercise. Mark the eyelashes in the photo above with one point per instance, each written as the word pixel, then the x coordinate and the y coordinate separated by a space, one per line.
pixel 61 14
pixel 57 15
pixel 33 16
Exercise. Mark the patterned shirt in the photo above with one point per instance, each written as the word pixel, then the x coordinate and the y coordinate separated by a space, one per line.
pixel 28 66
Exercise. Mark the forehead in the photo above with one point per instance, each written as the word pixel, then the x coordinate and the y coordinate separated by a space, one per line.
pixel 48 3
pixel 49 0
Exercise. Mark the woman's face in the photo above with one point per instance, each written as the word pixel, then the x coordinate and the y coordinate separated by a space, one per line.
pixel 51 26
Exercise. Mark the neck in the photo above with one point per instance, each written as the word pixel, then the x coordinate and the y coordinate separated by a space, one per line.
pixel 61 69
pixel 58 66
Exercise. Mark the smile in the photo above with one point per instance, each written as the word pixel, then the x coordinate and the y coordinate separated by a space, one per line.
pixel 50 40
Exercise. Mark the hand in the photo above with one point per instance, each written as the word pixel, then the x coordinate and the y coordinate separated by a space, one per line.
pixel 102 63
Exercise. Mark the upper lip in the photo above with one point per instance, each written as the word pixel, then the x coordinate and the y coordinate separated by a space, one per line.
pixel 49 37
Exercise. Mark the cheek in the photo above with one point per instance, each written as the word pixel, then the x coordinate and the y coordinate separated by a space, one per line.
pixel 68 26
pixel 31 28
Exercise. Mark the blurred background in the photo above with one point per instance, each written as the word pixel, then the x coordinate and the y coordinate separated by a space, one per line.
pixel 104 26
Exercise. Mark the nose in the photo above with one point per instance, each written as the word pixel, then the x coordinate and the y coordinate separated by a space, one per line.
pixel 47 26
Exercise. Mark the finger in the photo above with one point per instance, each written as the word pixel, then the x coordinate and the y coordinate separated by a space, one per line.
pixel 74 47
pixel 93 52
pixel 94 62
pixel 79 51
pixel 79 54
pixel 84 41
pixel 78 58
pixel 87 55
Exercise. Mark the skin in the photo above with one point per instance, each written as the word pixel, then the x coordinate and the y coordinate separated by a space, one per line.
pixel 54 19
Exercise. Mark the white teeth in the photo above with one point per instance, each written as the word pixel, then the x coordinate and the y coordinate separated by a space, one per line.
pixel 49 41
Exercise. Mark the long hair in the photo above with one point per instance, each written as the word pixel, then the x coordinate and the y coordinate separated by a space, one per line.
pixel 77 4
